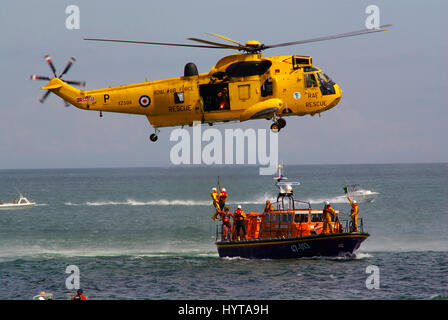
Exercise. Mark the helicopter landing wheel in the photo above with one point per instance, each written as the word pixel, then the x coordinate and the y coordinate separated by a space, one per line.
pixel 281 122
pixel 153 137
pixel 275 127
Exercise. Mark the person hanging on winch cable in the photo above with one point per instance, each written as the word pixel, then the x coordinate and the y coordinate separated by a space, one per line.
pixel 239 216
pixel 354 214
pixel 222 197
pixel 215 199
pixel 327 214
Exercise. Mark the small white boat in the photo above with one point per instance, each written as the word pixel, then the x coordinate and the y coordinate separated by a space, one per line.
pixel 22 203
pixel 361 195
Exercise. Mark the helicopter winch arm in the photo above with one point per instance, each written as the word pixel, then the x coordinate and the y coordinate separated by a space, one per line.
pixel 262 109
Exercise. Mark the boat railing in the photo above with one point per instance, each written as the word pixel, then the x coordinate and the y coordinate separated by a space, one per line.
pixel 348 225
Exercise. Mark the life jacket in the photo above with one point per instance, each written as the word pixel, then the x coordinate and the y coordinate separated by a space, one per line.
pixel 223 196
pixel 269 207
pixel 239 215
pixel 355 208
pixel 328 212
pixel 226 219
pixel 214 196
pixel 79 297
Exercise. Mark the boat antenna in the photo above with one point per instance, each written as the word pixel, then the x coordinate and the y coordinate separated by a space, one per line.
pixel 20 193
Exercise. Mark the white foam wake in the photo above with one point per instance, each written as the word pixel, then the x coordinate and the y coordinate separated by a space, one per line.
pixel 338 199
pixel 131 202
pixel 179 202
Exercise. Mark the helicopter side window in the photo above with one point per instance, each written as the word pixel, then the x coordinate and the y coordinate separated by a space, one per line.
pixel 310 80
pixel 178 97
pixel 248 68
pixel 266 88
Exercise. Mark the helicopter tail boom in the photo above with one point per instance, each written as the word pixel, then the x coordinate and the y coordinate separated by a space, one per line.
pixel 65 91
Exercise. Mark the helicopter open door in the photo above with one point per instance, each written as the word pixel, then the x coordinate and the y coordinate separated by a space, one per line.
pixel 215 97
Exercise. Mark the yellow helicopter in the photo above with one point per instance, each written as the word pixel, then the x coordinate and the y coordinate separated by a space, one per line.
pixel 239 87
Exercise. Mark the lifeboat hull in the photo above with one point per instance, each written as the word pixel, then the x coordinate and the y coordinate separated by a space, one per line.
pixel 322 245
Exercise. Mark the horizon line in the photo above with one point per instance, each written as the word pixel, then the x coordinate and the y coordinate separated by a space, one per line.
pixel 219 165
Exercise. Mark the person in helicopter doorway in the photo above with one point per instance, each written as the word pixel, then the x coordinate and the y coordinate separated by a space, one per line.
pixel 223 99
pixel 239 216
pixel 354 214
pixel 327 214
pixel 226 225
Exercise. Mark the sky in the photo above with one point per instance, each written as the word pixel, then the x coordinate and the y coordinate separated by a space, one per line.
pixel 394 84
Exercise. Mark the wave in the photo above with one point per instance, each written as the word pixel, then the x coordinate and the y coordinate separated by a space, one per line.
pixel 338 199
pixel 180 202
pixel 165 202
pixel 134 254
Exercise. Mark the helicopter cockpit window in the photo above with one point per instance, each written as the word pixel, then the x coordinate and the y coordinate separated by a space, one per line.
pixel 310 80
pixel 321 77
pixel 325 83
pixel 248 68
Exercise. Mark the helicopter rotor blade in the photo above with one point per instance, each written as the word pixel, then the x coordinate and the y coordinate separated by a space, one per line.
pixel 50 63
pixel 217 44
pixel 67 67
pixel 156 43
pixel 76 83
pixel 336 36
pixel 45 96
pixel 225 38
pixel 36 77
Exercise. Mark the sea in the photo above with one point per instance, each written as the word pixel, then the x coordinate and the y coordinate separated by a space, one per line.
pixel 147 233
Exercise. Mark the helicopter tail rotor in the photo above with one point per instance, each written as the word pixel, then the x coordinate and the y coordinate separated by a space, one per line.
pixel 53 69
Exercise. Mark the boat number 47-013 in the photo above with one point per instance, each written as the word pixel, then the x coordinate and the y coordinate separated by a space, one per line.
pixel 300 247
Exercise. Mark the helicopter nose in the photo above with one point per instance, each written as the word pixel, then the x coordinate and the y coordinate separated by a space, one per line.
pixel 337 96
pixel 338 91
